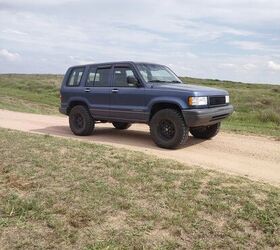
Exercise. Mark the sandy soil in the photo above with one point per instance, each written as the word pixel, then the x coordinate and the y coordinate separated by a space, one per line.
pixel 251 156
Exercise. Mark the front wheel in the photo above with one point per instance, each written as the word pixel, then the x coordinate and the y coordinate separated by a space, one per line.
pixel 206 132
pixel 121 125
pixel 168 129
pixel 81 121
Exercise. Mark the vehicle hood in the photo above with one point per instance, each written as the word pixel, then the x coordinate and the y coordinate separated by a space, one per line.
pixel 189 88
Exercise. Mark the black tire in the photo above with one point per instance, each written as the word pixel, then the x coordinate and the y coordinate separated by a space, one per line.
pixel 80 120
pixel 121 125
pixel 168 129
pixel 206 132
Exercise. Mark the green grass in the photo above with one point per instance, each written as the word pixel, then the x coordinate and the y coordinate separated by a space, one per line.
pixel 257 106
pixel 61 193
pixel 30 93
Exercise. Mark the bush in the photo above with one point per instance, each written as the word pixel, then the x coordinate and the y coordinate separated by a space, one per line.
pixel 269 116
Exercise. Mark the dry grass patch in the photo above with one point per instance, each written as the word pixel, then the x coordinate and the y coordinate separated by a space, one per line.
pixel 59 193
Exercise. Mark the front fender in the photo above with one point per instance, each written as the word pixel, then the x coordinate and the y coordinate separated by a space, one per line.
pixel 166 99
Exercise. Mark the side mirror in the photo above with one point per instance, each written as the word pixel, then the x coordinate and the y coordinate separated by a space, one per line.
pixel 131 80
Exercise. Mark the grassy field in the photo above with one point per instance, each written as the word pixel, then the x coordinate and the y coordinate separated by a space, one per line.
pixel 59 193
pixel 30 93
pixel 257 107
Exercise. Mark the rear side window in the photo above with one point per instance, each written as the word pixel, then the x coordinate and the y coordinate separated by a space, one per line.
pixel 101 77
pixel 91 77
pixel 75 77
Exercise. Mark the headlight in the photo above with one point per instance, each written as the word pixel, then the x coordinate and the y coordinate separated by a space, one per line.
pixel 227 98
pixel 198 100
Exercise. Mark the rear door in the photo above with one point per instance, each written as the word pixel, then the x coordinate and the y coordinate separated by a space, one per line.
pixel 98 90
pixel 127 100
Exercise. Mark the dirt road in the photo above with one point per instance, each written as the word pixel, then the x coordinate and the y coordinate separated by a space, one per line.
pixel 251 156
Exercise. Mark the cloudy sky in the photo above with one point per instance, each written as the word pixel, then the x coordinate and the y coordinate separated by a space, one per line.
pixel 226 39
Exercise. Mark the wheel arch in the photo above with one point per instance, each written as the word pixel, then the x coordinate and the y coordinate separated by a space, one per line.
pixel 164 104
pixel 74 103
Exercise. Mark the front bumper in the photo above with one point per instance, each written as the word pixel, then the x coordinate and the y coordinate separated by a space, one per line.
pixel 206 116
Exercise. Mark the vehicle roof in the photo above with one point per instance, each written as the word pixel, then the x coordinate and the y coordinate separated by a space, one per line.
pixel 116 62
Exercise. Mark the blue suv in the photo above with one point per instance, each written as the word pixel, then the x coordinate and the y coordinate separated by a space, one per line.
pixel 128 92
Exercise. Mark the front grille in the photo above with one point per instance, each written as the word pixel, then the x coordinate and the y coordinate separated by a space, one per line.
pixel 217 100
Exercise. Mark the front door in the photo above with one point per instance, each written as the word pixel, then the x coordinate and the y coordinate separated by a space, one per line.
pixel 127 100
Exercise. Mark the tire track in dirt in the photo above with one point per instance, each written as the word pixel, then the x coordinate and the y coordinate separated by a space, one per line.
pixel 245 155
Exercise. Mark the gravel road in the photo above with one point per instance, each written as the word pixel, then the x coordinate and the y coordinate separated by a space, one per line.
pixel 251 156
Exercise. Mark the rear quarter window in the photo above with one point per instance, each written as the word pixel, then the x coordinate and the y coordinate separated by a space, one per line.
pixel 75 77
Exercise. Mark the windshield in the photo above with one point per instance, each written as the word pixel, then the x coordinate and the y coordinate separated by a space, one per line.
pixel 157 73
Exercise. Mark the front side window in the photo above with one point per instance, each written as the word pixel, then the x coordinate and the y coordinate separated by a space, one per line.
pixel 76 77
pixel 157 73
pixel 121 77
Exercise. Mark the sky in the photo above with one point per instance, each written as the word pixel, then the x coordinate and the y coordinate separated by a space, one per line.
pixel 219 39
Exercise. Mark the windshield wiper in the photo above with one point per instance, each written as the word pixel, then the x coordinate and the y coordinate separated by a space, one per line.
pixel 175 81
pixel 156 81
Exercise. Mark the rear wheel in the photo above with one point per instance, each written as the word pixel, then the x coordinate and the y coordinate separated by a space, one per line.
pixel 206 132
pixel 168 129
pixel 121 125
pixel 80 120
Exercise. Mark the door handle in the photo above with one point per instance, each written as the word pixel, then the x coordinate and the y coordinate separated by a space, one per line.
pixel 115 90
pixel 87 90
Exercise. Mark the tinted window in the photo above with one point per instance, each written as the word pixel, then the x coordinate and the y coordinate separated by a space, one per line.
pixel 91 77
pixel 75 77
pixel 101 77
pixel 120 77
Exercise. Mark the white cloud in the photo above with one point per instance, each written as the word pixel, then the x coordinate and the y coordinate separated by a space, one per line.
pixel 9 56
pixel 38 2
pixel 238 67
pixel 248 45
pixel 227 65
pixel 14 32
pixel 274 66
pixel 77 60
pixel 249 66
pixel 192 36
